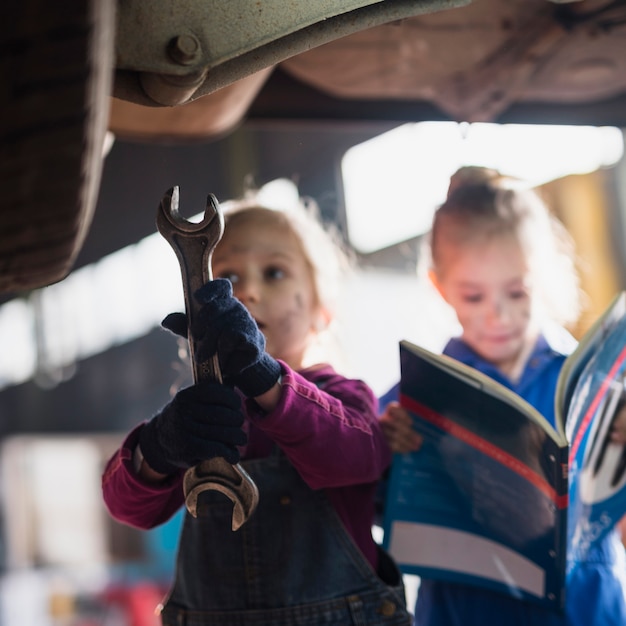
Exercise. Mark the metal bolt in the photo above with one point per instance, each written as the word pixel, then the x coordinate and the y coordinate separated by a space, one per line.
pixel 184 49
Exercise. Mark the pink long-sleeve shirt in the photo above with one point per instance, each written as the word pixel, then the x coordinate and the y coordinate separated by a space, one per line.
pixel 327 426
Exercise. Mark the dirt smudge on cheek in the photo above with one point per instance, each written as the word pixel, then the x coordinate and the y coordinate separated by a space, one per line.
pixel 290 318
pixel 287 321
pixel 299 301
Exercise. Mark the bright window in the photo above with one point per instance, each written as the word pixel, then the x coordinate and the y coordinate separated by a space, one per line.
pixel 394 182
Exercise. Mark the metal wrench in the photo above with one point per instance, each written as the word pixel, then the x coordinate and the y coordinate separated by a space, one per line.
pixel 194 244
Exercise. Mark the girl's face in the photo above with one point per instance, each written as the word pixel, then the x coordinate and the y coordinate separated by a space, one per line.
pixel 264 260
pixel 487 284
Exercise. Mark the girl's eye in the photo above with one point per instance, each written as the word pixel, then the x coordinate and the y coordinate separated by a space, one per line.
pixel 518 294
pixel 274 273
pixel 229 276
pixel 473 298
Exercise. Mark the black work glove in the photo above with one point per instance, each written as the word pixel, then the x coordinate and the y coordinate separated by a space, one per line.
pixel 201 422
pixel 225 327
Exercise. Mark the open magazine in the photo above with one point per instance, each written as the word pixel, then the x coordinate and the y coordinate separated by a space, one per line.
pixel 485 499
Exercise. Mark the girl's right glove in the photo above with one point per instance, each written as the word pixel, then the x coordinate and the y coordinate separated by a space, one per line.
pixel 225 327
pixel 201 422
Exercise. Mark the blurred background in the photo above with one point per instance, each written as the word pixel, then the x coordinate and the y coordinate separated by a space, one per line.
pixel 83 360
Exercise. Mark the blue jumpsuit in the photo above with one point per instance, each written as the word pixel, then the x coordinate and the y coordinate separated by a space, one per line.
pixel 596 589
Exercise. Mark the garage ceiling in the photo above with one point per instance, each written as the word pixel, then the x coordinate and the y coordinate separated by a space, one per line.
pixel 477 62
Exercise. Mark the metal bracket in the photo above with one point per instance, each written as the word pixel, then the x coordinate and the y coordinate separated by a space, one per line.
pixel 169 53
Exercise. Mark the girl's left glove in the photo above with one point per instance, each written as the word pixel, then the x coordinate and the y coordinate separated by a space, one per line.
pixel 225 327
pixel 201 422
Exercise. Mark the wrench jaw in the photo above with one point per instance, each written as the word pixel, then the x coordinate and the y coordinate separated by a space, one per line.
pixel 193 242
pixel 231 480
pixel 171 222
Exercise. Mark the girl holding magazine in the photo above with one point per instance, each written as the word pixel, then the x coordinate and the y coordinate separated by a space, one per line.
pixel 504 265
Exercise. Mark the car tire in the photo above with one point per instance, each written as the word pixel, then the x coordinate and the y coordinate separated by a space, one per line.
pixel 56 72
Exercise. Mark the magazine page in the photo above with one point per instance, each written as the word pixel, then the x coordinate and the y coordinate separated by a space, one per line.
pixel 484 499
pixel 597 465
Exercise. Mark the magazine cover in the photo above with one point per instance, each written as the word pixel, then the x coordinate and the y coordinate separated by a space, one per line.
pixel 587 347
pixel 484 500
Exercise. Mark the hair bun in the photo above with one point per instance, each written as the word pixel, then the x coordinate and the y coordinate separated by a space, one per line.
pixel 473 175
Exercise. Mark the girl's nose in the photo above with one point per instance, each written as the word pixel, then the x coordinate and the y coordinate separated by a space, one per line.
pixel 498 309
pixel 246 290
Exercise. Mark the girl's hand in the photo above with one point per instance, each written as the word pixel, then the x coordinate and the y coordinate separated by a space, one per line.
pixel 618 429
pixel 225 327
pixel 397 427
pixel 201 422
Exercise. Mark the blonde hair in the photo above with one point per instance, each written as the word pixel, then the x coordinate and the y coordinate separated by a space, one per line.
pixel 482 204
pixel 322 246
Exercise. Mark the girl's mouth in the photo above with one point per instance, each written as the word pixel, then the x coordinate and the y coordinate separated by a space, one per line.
pixel 501 338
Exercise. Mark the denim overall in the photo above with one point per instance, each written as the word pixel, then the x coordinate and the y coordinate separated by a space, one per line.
pixel 291 564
